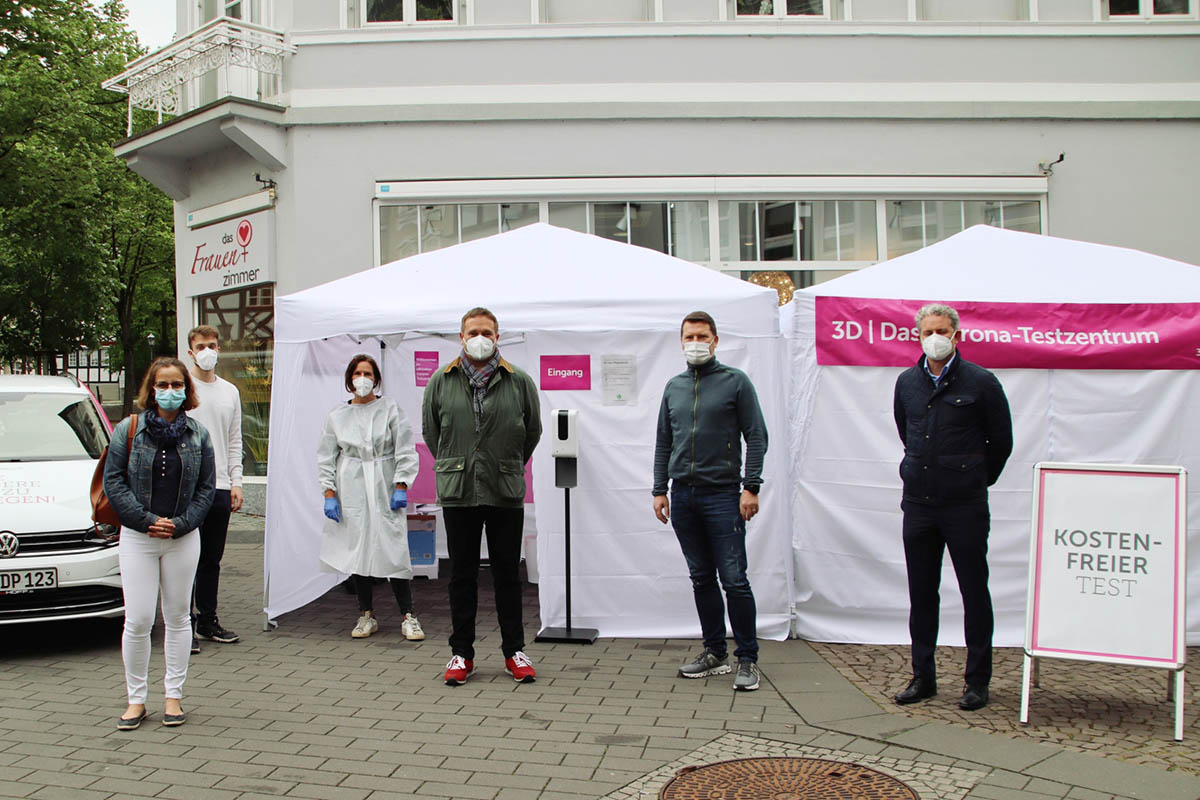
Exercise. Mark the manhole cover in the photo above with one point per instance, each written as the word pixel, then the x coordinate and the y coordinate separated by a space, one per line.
pixel 784 779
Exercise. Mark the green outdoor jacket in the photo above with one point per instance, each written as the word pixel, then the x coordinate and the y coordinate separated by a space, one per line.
pixel 484 467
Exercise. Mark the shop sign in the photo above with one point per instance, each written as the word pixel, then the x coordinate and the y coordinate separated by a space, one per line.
pixel 227 255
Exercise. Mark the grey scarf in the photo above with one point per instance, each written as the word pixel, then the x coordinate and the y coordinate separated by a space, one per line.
pixel 479 378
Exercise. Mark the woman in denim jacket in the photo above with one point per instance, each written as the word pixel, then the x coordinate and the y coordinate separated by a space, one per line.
pixel 162 491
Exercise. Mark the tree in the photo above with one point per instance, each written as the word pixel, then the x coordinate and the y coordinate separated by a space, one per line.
pixel 84 243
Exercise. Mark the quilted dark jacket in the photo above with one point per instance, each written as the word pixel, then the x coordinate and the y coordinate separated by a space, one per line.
pixel 957 436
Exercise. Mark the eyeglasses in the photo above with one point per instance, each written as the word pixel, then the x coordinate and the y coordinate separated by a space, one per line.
pixel 175 385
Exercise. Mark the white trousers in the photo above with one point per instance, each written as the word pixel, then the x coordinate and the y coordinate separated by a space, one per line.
pixel 149 568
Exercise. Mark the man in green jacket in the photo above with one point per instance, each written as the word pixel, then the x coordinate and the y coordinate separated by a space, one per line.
pixel 481 420
pixel 706 411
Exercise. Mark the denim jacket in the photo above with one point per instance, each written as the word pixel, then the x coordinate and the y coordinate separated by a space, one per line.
pixel 129 490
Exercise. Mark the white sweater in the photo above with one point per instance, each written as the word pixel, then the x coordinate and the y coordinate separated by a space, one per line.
pixel 220 411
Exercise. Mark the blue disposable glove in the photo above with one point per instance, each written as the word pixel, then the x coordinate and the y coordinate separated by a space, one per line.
pixel 333 509
pixel 399 499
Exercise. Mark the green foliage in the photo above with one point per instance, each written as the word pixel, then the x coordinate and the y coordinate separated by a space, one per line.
pixel 83 241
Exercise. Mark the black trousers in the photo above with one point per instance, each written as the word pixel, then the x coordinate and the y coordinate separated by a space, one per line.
pixel 464 530
pixel 213 532
pixel 963 530
pixel 364 587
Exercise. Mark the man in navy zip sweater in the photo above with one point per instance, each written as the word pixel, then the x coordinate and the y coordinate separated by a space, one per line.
pixel 954 420
pixel 705 413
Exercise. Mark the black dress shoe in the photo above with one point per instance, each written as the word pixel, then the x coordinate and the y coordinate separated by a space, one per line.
pixel 918 689
pixel 974 698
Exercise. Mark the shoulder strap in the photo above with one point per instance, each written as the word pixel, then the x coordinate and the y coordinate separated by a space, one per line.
pixel 133 420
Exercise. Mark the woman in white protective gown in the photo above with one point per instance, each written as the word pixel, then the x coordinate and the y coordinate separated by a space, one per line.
pixel 366 460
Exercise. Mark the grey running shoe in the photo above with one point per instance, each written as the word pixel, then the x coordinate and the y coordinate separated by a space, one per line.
pixel 746 679
pixel 705 664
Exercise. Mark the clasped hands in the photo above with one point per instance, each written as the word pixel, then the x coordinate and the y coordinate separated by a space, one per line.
pixel 161 528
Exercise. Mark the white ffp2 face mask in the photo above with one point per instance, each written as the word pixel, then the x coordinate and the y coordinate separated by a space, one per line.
pixel 206 359
pixel 479 348
pixel 363 385
pixel 937 347
pixel 697 353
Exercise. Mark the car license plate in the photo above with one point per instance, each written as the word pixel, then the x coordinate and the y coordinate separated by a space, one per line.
pixel 28 580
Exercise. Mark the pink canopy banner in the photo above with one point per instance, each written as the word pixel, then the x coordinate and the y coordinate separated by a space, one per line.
pixel 876 332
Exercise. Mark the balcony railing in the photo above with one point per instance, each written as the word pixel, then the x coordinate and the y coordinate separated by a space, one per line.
pixel 167 80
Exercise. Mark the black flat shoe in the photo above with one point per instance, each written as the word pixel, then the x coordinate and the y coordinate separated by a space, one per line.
pixel 174 720
pixel 131 723
pixel 918 689
pixel 974 698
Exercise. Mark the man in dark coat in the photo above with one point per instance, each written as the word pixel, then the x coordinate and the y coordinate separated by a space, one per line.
pixel 953 418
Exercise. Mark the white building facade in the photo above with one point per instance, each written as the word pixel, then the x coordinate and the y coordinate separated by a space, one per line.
pixel 782 141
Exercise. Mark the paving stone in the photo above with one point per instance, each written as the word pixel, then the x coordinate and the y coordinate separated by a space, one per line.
pixel 62 793
pixel 458 791
pixel 52 778
pixel 128 788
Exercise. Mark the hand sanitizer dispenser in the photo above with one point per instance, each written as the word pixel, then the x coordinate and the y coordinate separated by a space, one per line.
pixel 564 442
pixel 564 446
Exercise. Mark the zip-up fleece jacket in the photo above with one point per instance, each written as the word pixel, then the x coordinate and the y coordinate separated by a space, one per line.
pixel 128 476
pixel 484 467
pixel 705 413
pixel 957 436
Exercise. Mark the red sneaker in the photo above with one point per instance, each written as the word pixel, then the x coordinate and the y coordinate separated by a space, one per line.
pixel 520 667
pixel 458 670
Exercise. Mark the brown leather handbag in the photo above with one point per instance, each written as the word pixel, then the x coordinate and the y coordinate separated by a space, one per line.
pixel 102 511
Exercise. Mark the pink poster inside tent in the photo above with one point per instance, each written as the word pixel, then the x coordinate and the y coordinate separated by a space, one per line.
pixel 877 332
pixel 425 363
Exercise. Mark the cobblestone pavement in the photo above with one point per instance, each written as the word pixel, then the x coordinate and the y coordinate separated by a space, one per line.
pixel 304 711
pixel 1120 712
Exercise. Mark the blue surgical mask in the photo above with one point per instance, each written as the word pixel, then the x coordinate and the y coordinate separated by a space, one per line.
pixel 169 399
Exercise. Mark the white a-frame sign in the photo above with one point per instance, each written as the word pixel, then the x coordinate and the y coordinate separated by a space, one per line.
pixel 1108 570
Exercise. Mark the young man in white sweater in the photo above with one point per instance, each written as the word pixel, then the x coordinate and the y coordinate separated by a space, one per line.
pixel 220 411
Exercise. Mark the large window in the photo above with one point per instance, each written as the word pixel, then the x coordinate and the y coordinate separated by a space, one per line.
pixel 407 230
pixel 785 243
pixel 677 228
pixel 913 224
pixel 245 319
pixel 789 230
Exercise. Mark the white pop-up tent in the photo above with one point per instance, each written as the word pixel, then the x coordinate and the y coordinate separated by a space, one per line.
pixel 1096 349
pixel 615 311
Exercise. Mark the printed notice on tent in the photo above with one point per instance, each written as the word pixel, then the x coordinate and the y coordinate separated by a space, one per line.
pixel 618 378
pixel 560 373
pixel 1107 562
pixel 425 363
pixel 873 332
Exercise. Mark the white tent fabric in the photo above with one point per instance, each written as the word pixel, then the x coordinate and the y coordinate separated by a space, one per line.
pixel 555 292
pixel 850 573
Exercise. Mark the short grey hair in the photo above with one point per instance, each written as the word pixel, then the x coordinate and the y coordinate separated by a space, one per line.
pixel 937 310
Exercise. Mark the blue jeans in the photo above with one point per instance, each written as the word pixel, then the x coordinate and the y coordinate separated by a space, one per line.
pixel 712 535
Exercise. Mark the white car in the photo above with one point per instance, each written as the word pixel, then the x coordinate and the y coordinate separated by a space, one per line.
pixel 54 562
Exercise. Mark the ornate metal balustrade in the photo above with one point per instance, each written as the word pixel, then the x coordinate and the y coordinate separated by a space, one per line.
pixel 157 81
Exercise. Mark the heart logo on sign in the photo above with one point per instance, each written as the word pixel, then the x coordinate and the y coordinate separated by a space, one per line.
pixel 245 232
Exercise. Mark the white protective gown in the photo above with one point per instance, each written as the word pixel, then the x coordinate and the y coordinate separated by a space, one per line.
pixel 365 450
